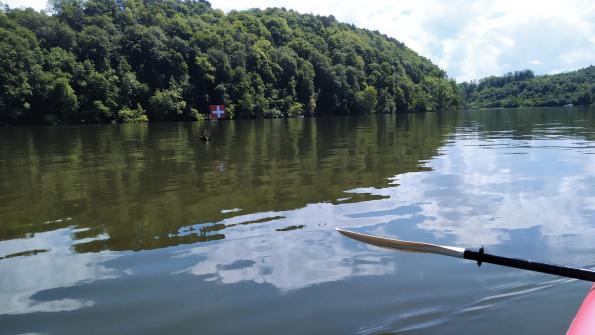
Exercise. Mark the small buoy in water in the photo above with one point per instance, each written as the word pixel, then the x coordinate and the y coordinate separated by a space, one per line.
pixel 205 137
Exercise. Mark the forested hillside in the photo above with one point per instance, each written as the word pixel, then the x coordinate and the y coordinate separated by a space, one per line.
pixel 524 89
pixel 89 61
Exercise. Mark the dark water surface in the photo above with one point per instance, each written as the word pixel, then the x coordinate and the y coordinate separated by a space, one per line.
pixel 144 229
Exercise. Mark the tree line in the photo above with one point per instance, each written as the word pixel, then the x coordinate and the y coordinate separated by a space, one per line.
pixel 524 89
pixel 102 61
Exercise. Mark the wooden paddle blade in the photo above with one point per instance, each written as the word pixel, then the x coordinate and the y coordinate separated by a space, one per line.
pixel 404 245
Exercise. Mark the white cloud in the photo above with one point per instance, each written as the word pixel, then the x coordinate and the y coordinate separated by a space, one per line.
pixel 37 4
pixel 469 39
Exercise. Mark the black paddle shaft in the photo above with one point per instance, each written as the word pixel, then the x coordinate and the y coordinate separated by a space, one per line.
pixel 558 270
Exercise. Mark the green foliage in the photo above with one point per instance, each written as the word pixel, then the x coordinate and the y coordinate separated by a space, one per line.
pixel 64 100
pixel 367 99
pixel 128 115
pixel 166 104
pixel 524 89
pixel 58 6
pixel 99 60
pixel 296 109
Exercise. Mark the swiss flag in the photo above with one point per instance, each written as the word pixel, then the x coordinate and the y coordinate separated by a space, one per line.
pixel 217 112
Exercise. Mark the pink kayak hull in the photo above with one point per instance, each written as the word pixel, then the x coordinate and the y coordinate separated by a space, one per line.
pixel 584 320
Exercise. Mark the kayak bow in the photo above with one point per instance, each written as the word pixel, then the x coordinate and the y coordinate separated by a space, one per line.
pixel 584 320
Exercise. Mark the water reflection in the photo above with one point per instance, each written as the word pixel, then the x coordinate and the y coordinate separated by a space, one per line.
pixel 310 254
pixel 477 192
pixel 248 220
pixel 139 184
pixel 51 263
pixel 546 187
pixel 287 263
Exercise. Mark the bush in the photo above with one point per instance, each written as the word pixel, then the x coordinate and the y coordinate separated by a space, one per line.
pixel 127 115
pixel 296 109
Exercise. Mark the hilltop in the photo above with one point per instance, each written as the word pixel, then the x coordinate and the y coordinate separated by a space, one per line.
pixel 98 61
pixel 524 89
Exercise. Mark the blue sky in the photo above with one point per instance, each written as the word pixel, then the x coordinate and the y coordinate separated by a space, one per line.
pixel 469 39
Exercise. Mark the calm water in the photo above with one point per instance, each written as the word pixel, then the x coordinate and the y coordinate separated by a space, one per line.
pixel 144 229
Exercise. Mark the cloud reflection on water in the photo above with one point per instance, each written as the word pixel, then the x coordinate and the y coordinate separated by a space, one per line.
pixel 287 260
pixel 477 194
pixel 23 277
pixel 547 188
pixel 480 190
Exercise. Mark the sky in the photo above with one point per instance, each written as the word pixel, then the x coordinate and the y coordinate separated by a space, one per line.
pixel 469 39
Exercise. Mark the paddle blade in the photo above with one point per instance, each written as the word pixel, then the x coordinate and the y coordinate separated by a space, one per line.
pixel 404 245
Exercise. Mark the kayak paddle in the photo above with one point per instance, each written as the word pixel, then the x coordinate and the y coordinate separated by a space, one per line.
pixel 584 320
pixel 480 256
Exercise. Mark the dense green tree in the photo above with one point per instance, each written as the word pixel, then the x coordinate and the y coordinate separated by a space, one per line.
pixel 367 99
pixel 167 104
pixel 524 89
pixel 17 65
pixel 129 115
pixel 104 60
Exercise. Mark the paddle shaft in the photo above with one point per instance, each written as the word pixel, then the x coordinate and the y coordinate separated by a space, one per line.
pixel 564 271
pixel 479 256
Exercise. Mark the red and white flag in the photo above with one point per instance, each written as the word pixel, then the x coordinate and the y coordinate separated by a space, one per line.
pixel 217 112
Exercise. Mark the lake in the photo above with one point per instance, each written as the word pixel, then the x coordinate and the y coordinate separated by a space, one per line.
pixel 145 229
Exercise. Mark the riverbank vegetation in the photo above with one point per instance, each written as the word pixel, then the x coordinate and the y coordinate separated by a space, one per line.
pixel 95 61
pixel 524 89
